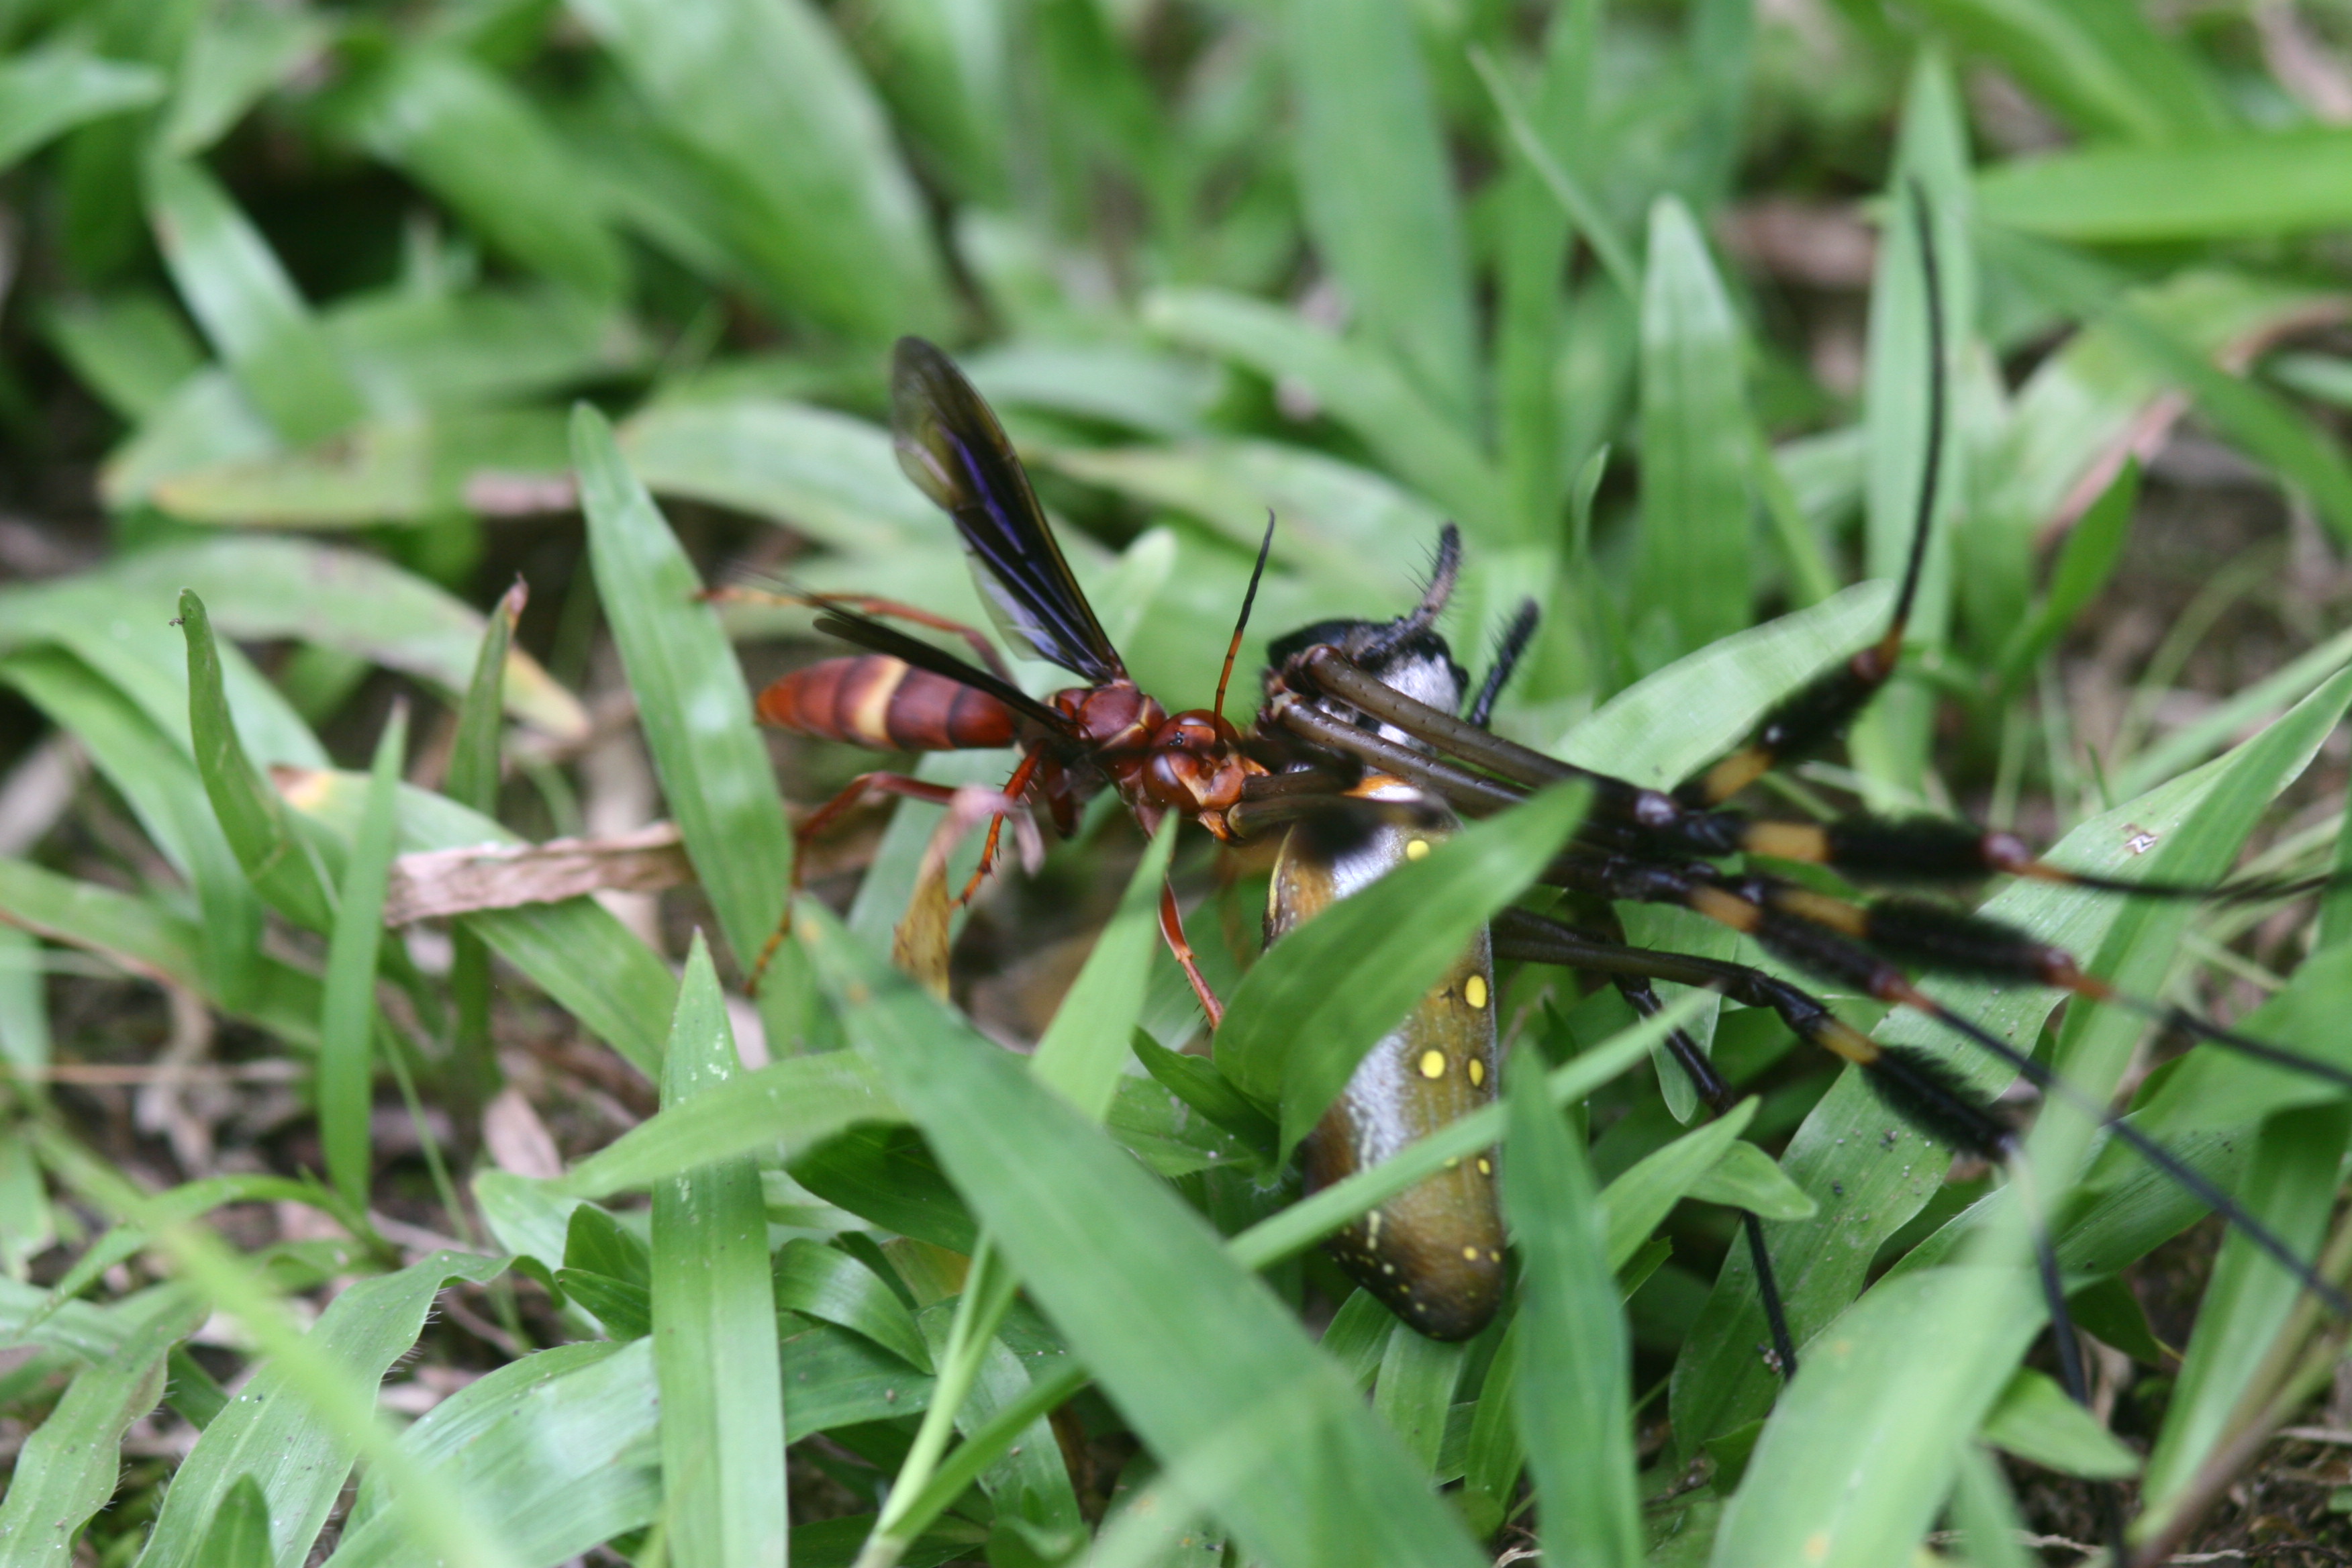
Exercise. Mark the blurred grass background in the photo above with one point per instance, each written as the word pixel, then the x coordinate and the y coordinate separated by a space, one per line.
pixel 297 304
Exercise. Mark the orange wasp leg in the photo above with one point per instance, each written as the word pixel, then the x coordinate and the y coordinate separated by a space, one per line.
pixel 817 822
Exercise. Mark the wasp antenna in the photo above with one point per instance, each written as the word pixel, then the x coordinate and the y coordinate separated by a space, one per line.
pixel 1241 624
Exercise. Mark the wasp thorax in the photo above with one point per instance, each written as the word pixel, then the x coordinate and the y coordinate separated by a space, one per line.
pixel 1114 715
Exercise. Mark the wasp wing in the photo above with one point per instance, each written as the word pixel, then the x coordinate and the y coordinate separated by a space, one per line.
pixel 951 445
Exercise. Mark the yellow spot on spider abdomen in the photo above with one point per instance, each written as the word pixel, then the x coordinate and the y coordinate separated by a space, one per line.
pixel 1471 1253
pixel 1477 1072
pixel 1485 1167
pixel 1416 848
pixel 1474 990
pixel 1432 1064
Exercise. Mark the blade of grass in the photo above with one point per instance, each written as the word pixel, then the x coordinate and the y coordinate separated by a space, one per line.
pixel 282 866
pixel 238 1535
pixel 159 783
pixel 1692 564
pixel 236 55
pixel 1084 1050
pixel 69 1465
pixel 1573 1394
pixel 2101 63
pixel 1378 191
pixel 347 1016
pixel 1192 1350
pixel 722 1427
pixel 297 1425
pixel 469 137
pixel 836 230
pixel 815 1279
pixel 248 306
pixel 47 92
pixel 472 782
pixel 696 711
pixel 565 1438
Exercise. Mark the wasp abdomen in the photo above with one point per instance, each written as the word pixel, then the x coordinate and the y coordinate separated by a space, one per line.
pixel 886 704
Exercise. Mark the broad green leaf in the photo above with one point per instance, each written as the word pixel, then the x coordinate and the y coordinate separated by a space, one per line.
pixel 1644 1194
pixel 267 842
pixel 1495 1452
pixel 1747 1178
pixel 347 1019
pixel 2093 546
pixel 469 137
pixel 69 1465
pixel 472 780
pixel 248 306
pixel 1800 1500
pixel 1416 1390
pixel 273 1433
pixel 1308 1010
pixel 564 1437
pixel 837 228
pixel 1665 726
pixel 2101 63
pixel 616 987
pixel 1692 564
pixel 786 1107
pixel 1361 390
pixel 2036 1420
pixel 815 1279
pixel 1199 1357
pixel 1084 1051
pixel 130 348
pixel 2238 186
pixel 1573 1395
pixel 48 91
pixel 690 698
pixel 1379 193
pixel 159 785
pixel 237 53
pixel 723 1429
pixel 831 477
pixel 1119 384
pixel 1871 1174
pixel 238 1536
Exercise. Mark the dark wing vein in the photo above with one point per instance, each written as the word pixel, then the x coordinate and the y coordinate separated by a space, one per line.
pixel 952 446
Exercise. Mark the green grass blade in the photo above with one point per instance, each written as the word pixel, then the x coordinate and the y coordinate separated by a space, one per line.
pixel 259 830
pixel 2101 63
pixel 68 1466
pixel 2276 182
pixel 722 1428
pixel 159 785
pixel 1197 1355
pixel 836 229
pixel 466 134
pixel 238 1536
pixel 565 1438
pixel 472 780
pixel 1646 1194
pixel 45 93
pixel 1372 169
pixel 1415 1392
pixel 1693 564
pixel 2094 547
pixel 834 478
pixel 1084 1050
pixel 1573 1394
pixel 347 1017
pixel 234 57
pixel 1497 1452
pixel 815 1279
pixel 1308 1010
pixel 1360 389
pixel 248 306
pixel 789 1106
pixel 2037 1421
pixel 691 701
